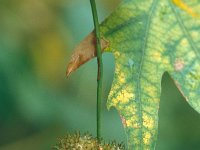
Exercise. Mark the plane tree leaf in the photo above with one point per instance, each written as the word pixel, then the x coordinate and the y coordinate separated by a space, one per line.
pixel 148 38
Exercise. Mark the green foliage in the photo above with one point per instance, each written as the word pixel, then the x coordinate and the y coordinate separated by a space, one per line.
pixel 148 38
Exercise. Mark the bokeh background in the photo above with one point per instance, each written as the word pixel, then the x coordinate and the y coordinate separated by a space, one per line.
pixel 38 104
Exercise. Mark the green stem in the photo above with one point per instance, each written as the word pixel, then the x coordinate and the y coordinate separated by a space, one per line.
pixel 100 67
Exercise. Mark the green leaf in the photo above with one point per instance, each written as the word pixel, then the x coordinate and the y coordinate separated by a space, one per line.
pixel 148 38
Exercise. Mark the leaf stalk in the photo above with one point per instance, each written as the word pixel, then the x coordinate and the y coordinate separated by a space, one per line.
pixel 100 67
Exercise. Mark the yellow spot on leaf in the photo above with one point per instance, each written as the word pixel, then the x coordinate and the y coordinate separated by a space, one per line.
pixel 146 138
pixel 148 122
pixel 114 102
pixel 131 109
pixel 111 94
pixel 151 91
pixel 185 7
pixel 195 34
pixel 116 53
pixel 114 88
pixel 117 68
pixel 156 56
pixel 124 97
pixel 165 60
pixel 136 125
pixel 128 123
pixel 121 78
pixel 132 122
pixel 184 42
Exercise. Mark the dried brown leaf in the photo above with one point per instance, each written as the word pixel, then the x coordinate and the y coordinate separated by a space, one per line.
pixel 85 51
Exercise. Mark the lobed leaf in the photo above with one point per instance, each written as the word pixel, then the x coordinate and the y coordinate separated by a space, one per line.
pixel 148 38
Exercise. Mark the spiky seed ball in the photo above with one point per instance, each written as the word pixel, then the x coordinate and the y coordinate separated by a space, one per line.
pixel 85 142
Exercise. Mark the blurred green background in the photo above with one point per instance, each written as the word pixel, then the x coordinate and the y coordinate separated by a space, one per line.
pixel 38 104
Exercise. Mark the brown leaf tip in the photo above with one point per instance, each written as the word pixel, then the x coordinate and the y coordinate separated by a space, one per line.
pixel 85 51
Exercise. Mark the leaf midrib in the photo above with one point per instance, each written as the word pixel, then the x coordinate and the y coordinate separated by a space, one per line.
pixel 144 46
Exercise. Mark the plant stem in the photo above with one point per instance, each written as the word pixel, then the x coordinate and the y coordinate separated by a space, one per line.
pixel 100 67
